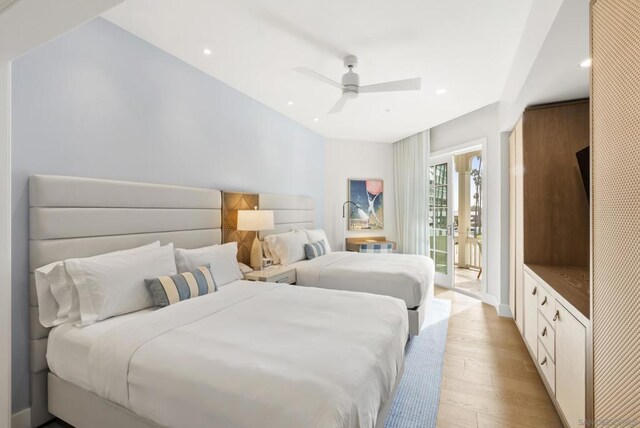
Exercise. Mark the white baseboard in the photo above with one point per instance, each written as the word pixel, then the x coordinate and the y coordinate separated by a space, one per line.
pixel 22 419
pixel 505 311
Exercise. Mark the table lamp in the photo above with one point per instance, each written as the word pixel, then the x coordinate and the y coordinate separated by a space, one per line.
pixel 255 220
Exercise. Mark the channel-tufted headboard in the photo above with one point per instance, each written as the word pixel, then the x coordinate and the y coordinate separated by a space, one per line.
pixel 79 217
pixel 289 212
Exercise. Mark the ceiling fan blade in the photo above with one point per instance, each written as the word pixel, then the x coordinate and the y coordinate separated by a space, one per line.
pixel 398 85
pixel 318 76
pixel 337 108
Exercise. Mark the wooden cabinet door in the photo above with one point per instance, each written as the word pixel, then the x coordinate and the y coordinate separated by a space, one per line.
pixel 571 339
pixel 531 290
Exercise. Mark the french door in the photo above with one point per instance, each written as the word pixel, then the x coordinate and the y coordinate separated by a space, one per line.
pixel 441 219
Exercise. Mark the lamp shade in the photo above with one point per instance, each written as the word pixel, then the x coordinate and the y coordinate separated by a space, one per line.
pixel 255 220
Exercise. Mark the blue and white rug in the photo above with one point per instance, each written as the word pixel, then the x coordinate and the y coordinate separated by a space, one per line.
pixel 418 396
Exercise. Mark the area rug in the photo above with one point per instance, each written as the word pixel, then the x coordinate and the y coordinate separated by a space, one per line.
pixel 418 396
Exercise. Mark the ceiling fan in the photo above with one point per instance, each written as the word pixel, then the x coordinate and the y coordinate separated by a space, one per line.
pixel 350 85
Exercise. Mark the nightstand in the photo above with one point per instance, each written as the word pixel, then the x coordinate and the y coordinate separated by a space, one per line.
pixel 279 274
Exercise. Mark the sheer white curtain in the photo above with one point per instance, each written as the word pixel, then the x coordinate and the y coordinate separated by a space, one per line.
pixel 411 173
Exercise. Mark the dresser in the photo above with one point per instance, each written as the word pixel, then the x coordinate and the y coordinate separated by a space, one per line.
pixel 555 331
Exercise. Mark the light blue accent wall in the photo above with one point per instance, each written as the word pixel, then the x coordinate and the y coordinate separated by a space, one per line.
pixel 100 102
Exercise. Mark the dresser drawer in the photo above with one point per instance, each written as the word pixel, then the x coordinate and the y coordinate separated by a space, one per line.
pixel 547 336
pixel 546 305
pixel 547 367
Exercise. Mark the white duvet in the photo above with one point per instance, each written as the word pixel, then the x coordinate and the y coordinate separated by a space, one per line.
pixel 256 355
pixel 404 276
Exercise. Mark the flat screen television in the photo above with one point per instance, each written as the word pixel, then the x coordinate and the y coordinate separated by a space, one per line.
pixel 584 164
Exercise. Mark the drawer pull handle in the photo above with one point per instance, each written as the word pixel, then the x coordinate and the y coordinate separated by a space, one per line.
pixel 556 316
pixel 535 290
pixel 544 361
pixel 544 331
pixel 544 302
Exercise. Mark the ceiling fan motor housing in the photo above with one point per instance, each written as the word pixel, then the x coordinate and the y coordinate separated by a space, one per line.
pixel 350 83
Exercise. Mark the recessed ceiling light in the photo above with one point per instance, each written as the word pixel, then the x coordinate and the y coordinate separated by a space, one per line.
pixel 290 103
pixel 441 91
pixel 586 63
pixel 315 119
pixel 206 51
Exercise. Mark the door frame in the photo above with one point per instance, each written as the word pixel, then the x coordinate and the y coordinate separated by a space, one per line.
pixel 480 143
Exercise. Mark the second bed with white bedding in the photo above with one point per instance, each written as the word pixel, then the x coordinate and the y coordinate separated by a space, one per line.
pixel 403 276
pixel 249 355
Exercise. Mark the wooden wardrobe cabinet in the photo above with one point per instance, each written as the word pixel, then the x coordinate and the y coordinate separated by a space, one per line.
pixel 549 249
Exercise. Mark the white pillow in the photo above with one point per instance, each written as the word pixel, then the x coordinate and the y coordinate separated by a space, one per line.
pixel 315 235
pixel 289 246
pixel 266 251
pixel 222 261
pixel 113 284
pixel 55 277
pixel 48 307
pixel 65 293
pixel 270 240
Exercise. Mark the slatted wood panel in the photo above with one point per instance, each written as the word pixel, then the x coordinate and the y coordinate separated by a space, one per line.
pixel 615 32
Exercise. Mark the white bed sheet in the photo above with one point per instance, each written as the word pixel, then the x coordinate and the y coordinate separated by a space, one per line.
pixel 403 276
pixel 68 347
pixel 253 354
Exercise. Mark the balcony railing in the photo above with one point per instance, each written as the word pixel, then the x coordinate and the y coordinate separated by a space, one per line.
pixel 473 251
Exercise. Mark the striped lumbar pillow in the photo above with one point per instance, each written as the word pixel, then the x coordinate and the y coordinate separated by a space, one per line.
pixel 167 290
pixel 315 249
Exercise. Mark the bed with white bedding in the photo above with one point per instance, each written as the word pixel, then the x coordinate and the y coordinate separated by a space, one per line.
pixel 251 354
pixel 218 360
pixel 403 276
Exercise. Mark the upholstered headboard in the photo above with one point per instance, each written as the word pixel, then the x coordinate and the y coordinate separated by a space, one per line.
pixel 289 212
pixel 79 217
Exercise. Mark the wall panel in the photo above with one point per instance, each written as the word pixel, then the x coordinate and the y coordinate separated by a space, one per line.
pixel 616 206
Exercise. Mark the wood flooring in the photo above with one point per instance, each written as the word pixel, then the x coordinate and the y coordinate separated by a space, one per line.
pixel 488 377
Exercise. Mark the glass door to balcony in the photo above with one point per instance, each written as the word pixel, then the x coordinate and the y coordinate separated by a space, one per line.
pixel 441 219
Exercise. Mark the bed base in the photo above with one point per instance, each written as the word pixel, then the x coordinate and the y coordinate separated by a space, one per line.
pixel 416 318
pixel 84 409
pixel 417 314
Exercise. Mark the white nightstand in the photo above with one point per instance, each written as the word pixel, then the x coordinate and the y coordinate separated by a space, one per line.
pixel 279 274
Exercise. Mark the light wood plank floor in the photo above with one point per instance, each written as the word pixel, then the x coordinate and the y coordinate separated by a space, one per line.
pixel 488 378
pixel 467 279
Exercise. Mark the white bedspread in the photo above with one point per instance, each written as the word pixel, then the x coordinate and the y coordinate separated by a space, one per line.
pixel 253 355
pixel 404 276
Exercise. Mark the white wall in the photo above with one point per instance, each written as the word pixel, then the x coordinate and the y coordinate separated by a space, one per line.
pixel 354 159
pixel 484 123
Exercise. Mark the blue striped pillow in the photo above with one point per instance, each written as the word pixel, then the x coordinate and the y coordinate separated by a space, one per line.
pixel 167 290
pixel 315 249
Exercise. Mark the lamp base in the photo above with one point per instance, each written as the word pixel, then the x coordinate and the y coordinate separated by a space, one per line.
pixel 256 254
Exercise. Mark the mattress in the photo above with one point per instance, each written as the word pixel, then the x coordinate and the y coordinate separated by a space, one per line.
pixel 403 276
pixel 253 354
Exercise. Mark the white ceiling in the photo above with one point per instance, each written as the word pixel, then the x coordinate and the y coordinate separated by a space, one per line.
pixel 555 75
pixel 464 46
